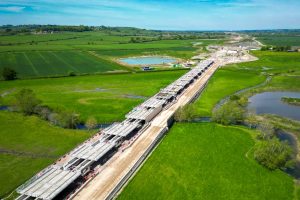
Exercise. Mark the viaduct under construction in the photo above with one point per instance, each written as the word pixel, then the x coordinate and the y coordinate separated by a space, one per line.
pixel 97 162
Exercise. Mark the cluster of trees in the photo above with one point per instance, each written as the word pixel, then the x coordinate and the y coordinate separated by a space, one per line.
pixel 276 48
pixel 273 154
pixel 12 30
pixel 8 74
pixel 91 123
pixel 144 39
pixel 268 150
pixel 185 113
pixel 56 28
pixel 175 36
pixel 27 103
pixel 232 112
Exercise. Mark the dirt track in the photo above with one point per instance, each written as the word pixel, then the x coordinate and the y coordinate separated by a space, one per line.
pixel 121 163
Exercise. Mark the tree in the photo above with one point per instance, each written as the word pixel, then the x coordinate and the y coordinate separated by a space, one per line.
pixel 185 113
pixel 251 120
pixel 9 74
pixel 229 113
pixel 54 118
pixel 43 111
pixel 71 73
pixel 267 130
pixel 273 154
pixel 91 123
pixel 26 101
pixel 67 119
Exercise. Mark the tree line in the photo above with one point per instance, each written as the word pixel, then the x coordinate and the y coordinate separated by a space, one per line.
pixel 27 103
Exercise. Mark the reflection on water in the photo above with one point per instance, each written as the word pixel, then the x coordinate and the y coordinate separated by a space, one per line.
pixel 270 103
pixel 149 60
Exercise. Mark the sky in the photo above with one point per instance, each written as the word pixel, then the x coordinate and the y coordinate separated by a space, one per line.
pixel 156 14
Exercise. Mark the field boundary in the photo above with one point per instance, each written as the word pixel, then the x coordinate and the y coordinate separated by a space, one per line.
pixel 137 166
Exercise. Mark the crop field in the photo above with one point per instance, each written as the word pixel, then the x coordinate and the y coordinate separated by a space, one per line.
pixel 55 63
pixel 32 145
pixel 207 161
pixel 105 97
pixel 232 78
pixel 48 55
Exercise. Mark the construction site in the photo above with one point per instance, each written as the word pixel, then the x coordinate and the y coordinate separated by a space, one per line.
pixel 100 167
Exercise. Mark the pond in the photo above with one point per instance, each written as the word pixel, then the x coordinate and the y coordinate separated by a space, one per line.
pixel 148 60
pixel 270 103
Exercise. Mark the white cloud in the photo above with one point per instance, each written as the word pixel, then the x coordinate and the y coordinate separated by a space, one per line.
pixel 12 8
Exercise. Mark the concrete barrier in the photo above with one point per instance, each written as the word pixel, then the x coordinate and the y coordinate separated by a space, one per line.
pixel 137 165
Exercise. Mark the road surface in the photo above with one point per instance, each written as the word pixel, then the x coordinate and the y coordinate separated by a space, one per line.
pixel 122 162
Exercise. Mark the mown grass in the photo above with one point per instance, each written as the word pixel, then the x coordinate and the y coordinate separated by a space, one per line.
pixel 207 161
pixel 106 97
pixel 232 78
pixel 35 143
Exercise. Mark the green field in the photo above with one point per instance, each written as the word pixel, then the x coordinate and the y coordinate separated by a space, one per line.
pixel 55 63
pixel 225 82
pixel 207 161
pixel 106 97
pixel 280 40
pixel 30 145
pixel 194 161
pixel 232 78
pixel 59 54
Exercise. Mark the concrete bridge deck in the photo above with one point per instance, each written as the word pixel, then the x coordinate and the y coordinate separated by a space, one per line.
pixel 121 164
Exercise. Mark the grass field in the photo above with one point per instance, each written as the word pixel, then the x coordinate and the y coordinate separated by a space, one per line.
pixel 106 97
pixel 232 78
pixel 55 63
pixel 207 161
pixel 280 40
pixel 30 144
pixel 225 82
pixel 83 53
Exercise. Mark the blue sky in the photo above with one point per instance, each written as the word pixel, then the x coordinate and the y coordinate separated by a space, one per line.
pixel 156 14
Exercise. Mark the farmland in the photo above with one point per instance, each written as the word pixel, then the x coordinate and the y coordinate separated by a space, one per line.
pixel 184 166
pixel 278 38
pixel 106 97
pixel 32 145
pixel 235 77
pixel 55 63
pixel 59 54
pixel 207 161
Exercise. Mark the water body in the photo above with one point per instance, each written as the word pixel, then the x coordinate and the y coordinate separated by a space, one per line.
pixel 4 108
pixel 148 60
pixel 225 100
pixel 130 96
pixel 99 126
pixel 270 103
